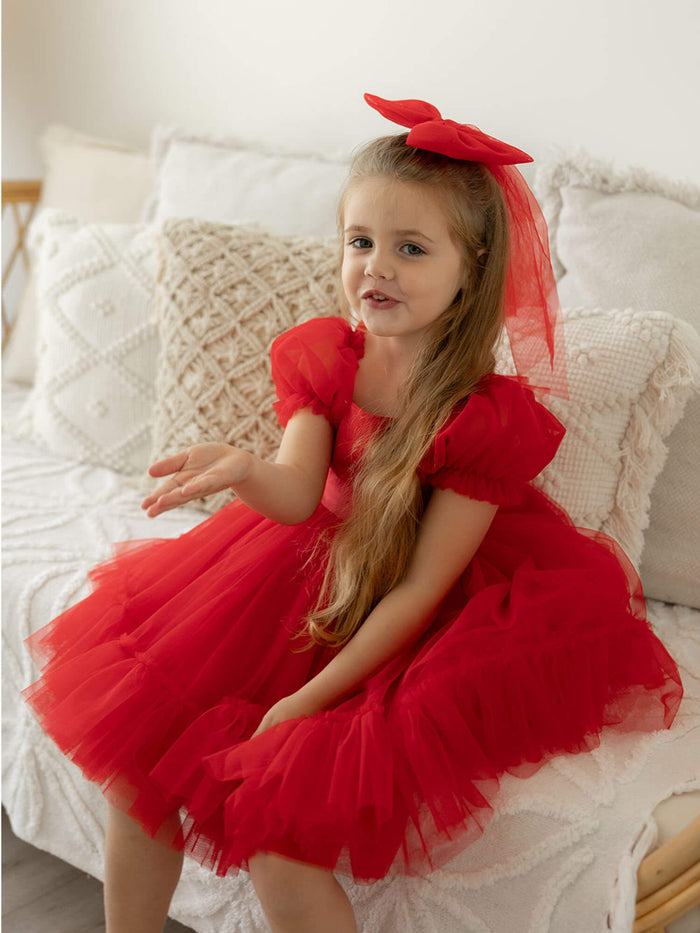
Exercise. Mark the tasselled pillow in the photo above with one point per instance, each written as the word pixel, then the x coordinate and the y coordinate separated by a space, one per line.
pixel 630 374
pixel 94 390
pixel 223 294
pixel 627 237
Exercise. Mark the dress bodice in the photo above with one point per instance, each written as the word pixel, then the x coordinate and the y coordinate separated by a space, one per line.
pixel 352 434
pixel 495 441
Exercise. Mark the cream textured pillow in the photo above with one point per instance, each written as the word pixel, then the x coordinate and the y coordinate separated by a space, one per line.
pixel 94 387
pixel 223 294
pixel 633 239
pixel 94 179
pixel 234 181
pixel 630 373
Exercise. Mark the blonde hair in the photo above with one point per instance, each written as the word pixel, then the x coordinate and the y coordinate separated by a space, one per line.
pixel 370 552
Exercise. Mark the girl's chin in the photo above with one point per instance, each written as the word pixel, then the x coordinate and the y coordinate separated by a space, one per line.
pixel 377 327
pixel 382 317
pixel 380 326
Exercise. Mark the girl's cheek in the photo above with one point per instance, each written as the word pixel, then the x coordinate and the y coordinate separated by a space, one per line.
pixel 348 290
pixel 348 273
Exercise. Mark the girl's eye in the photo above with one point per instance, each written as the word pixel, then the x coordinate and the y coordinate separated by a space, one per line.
pixel 412 250
pixel 361 242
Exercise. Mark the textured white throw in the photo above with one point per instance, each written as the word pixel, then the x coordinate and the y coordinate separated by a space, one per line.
pixel 549 859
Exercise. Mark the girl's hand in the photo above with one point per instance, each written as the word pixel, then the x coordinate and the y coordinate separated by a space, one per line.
pixel 198 471
pixel 291 707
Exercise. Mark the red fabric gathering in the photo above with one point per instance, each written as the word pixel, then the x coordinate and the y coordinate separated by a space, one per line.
pixel 314 366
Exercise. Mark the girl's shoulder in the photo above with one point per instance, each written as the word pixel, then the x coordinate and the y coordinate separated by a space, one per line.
pixel 503 410
pixel 314 366
pixel 496 439
pixel 322 333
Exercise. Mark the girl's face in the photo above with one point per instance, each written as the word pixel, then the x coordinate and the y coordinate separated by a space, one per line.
pixel 401 268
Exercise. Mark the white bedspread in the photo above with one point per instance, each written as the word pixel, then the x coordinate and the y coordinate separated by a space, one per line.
pixel 559 856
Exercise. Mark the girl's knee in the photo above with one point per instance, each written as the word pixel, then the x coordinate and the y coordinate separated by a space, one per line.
pixel 286 888
pixel 119 822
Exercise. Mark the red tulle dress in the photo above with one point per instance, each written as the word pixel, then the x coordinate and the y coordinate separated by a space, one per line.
pixel 154 683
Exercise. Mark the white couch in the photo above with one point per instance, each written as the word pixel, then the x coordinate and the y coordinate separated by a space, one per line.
pixel 562 851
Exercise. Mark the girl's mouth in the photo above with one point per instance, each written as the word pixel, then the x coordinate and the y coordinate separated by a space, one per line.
pixel 379 300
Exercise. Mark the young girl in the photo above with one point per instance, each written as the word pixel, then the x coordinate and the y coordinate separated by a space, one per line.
pixel 331 672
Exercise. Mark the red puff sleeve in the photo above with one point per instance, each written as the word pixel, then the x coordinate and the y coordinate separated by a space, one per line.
pixel 314 366
pixel 500 439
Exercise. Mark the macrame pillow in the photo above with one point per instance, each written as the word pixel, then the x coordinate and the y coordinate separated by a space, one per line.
pixel 223 294
pixel 98 342
pixel 630 374
pixel 631 239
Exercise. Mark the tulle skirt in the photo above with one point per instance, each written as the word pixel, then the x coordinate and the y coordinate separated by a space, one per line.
pixel 155 682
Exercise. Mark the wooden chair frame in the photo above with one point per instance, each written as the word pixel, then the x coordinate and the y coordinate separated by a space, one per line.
pixel 14 194
pixel 668 881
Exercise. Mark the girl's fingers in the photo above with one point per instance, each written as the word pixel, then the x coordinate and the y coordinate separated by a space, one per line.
pixel 172 494
pixel 165 489
pixel 171 464
pixel 163 504
pixel 163 493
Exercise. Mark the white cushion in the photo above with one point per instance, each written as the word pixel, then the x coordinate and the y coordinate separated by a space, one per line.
pixel 234 181
pixel 627 238
pixel 94 179
pixel 94 389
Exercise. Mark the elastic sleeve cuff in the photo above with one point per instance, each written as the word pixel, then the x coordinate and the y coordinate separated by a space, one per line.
pixel 478 487
pixel 293 403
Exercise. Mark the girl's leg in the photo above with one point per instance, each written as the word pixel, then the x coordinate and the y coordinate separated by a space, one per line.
pixel 300 898
pixel 140 876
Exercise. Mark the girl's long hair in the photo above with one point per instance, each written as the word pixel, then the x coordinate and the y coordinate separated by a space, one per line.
pixel 370 551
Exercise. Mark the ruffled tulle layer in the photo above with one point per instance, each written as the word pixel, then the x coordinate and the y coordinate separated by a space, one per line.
pixel 155 683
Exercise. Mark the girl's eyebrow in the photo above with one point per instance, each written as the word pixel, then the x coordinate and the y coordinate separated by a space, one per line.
pixel 358 228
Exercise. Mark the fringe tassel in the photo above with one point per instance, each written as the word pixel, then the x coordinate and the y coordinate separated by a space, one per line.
pixel 644 450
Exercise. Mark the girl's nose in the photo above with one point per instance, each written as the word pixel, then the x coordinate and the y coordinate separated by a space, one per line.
pixel 379 266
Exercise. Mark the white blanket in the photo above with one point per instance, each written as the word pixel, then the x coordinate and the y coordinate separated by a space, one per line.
pixel 559 856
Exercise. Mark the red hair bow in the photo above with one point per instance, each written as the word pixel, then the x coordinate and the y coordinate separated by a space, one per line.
pixel 532 315
pixel 457 140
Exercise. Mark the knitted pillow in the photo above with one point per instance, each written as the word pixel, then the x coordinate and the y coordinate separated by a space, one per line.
pixel 94 385
pixel 628 238
pixel 630 374
pixel 223 294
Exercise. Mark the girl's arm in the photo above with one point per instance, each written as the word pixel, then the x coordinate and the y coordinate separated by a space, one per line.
pixel 287 491
pixel 451 531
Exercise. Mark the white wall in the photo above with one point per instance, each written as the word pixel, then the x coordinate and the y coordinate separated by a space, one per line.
pixel 618 77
